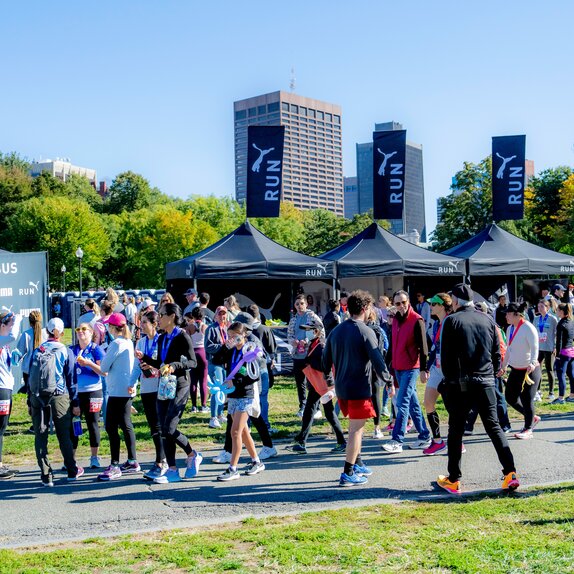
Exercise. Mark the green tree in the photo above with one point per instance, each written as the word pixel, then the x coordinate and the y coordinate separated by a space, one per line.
pixel 223 214
pixel 79 187
pixel 59 226
pixel 13 160
pixel 131 191
pixel 287 230
pixel 147 239
pixel 562 232
pixel 323 231
pixel 545 202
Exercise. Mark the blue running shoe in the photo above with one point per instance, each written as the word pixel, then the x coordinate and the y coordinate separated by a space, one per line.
pixel 352 480
pixel 364 470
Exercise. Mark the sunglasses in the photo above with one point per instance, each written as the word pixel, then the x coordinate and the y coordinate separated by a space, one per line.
pixel 81 329
pixel 222 313
pixel 398 303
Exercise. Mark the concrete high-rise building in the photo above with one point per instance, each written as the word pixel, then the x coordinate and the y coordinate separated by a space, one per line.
pixel 313 153
pixel 351 197
pixel 414 201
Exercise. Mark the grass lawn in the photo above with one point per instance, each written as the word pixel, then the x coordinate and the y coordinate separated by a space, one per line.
pixel 19 444
pixel 530 532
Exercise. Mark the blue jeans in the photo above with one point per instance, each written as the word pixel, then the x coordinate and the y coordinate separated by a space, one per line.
pixel 217 375
pixel 264 397
pixel 407 401
pixel 563 366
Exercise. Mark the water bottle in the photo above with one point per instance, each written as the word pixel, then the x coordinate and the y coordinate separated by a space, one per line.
pixel 77 423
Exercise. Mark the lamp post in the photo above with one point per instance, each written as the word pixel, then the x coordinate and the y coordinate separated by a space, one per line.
pixel 79 255
pixel 63 278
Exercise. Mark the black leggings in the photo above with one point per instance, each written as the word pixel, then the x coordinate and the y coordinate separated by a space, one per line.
pixel 149 402
pixel 92 419
pixel 520 395
pixel 5 395
pixel 300 381
pixel 548 357
pixel 377 399
pixel 169 414
pixel 119 416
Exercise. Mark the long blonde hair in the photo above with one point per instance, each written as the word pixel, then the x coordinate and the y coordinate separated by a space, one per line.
pixel 35 319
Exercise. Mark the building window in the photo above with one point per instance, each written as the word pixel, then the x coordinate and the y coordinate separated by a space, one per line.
pixel 285 106
pixel 251 112
pixel 311 113
pixel 261 110
pixel 294 109
pixel 240 115
pixel 273 107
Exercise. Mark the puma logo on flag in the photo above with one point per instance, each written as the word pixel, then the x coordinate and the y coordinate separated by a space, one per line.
pixel 505 160
pixel 386 158
pixel 35 285
pixel 262 153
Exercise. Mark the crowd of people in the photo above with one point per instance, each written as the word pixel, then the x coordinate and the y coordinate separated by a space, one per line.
pixel 362 360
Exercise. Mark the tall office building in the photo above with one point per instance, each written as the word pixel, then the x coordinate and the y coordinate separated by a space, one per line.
pixel 351 196
pixel 414 202
pixel 313 156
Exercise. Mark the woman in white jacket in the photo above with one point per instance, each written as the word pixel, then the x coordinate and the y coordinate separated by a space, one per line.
pixel 9 327
pixel 525 374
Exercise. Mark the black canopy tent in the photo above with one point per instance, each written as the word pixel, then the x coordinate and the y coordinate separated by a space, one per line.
pixel 376 253
pixel 247 255
pixel 495 252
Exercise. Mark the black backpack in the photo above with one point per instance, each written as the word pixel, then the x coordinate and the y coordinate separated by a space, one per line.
pixel 42 377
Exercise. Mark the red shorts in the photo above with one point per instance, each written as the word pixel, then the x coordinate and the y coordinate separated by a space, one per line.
pixel 357 408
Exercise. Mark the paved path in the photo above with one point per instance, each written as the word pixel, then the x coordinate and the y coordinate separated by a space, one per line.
pixel 292 483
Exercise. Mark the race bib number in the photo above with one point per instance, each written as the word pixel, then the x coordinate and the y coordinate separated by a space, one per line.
pixel 543 337
pixel 5 407
pixel 96 405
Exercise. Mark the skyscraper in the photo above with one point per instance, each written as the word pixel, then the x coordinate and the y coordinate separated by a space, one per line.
pixel 351 197
pixel 313 156
pixel 414 200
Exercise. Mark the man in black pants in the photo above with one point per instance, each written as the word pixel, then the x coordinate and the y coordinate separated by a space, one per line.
pixel 470 357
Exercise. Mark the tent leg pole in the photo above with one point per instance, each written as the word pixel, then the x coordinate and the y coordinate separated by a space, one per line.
pixel 195 283
pixel 516 287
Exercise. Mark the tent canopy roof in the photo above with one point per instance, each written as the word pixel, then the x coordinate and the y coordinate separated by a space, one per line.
pixel 377 252
pixel 495 251
pixel 246 253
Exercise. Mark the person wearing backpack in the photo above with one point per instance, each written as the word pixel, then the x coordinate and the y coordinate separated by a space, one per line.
pixel 9 327
pixel 52 393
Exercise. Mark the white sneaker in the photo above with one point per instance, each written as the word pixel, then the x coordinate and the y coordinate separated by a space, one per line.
pixel 214 423
pixel 421 443
pixel 223 457
pixel 392 446
pixel 267 452
pixel 300 413
pixel 318 415
pixel 378 433
pixel 222 418
pixel 551 397
pixel 538 397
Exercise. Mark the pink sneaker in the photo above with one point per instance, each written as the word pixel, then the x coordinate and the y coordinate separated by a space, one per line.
pixel 463 449
pixel 409 427
pixel 434 448
pixel 390 427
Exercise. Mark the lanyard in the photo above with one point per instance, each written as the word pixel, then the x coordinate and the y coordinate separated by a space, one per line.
pixel 167 342
pixel 513 333
pixel 148 351
pixel 8 356
pixel 542 323
pixel 223 333
pixel 236 357
pixel 437 334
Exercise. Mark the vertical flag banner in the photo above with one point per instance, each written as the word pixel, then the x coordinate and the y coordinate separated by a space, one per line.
pixel 264 170
pixel 389 157
pixel 508 177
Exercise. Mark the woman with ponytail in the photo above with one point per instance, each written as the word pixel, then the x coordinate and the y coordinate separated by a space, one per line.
pixel 29 340
pixel 525 374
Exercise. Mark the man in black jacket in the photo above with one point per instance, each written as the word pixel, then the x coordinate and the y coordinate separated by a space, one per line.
pixel 353 350
pixel 470 358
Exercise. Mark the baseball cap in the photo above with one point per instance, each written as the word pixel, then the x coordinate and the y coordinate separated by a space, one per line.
pixel 312 324
pixel 115 319
pixel 148 303
pixel 190 291
pixel 55 323
pixel 246 319
pixel 436 299
pixel 558 286
pixel 462 291
pixel 221 309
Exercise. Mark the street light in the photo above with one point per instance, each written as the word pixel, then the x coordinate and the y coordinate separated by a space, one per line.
pixel 79 255
pixel 63 278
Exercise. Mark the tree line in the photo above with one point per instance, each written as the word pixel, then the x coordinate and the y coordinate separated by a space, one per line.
pixel 548 208
pixel 128 236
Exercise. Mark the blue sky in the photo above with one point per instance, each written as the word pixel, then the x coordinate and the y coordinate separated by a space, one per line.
pixel 149 86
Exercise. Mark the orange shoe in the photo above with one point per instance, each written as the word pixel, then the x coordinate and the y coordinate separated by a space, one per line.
pixel 510 481
pixel 451 487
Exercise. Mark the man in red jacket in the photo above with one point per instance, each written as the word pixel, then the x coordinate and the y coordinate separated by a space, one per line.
pixel 409 356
